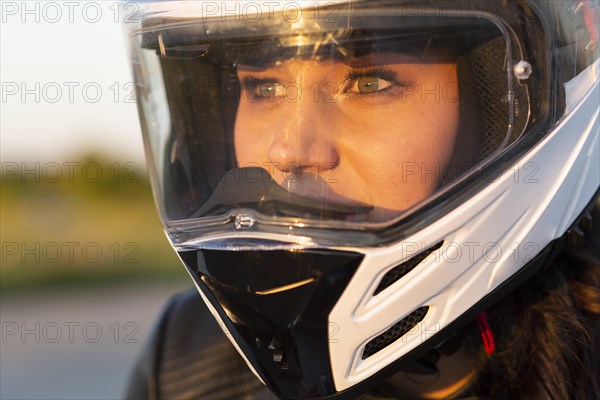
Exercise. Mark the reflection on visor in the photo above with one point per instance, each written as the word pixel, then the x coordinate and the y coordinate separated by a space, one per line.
pixel 427 42
pixel 255 188
pixel 397 112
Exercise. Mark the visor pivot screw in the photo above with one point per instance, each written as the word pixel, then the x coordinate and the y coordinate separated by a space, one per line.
pixel 244 221
pixel 523 70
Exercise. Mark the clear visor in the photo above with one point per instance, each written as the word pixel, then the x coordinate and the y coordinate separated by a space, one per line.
pixel 344 118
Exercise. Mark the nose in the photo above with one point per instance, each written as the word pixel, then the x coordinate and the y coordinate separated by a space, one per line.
pixel 302 142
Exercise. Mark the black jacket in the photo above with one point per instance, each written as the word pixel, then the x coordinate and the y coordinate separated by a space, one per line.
pixel 189 357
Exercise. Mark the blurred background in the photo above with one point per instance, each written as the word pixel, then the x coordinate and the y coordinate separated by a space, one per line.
pixel 85 266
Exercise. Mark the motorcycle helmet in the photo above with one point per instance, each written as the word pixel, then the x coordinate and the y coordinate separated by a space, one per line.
pixel 349 182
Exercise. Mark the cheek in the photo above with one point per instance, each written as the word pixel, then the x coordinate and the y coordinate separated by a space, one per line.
pixel 402 153
pixel 249 143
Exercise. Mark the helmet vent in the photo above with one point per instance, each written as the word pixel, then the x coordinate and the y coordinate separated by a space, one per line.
pixel 399 271
pixel 398 330
pixel 489 70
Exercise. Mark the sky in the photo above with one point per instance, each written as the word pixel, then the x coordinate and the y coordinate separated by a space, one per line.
pixel 66 82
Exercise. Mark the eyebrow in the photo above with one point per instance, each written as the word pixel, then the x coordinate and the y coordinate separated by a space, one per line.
pixel 386 58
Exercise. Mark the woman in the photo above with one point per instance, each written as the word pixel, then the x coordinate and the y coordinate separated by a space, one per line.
pixel 374 198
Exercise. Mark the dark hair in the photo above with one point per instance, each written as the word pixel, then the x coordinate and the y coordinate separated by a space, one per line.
pixel 547 332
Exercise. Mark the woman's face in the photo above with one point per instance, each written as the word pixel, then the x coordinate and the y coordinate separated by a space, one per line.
pixel 380 130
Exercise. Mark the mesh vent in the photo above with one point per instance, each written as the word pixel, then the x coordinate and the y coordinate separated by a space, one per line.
pixel 398 330
pixel 489 69
pixel 399 271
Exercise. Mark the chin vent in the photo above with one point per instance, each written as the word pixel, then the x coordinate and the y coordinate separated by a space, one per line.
pixel 398 330
pixel 399 271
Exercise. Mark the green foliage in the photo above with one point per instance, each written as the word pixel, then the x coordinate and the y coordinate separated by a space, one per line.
pixel 91 226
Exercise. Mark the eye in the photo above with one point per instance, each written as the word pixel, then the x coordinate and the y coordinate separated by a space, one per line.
pixel 371 80
pixel 369 84
pixel 270 90
pixel 263 89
